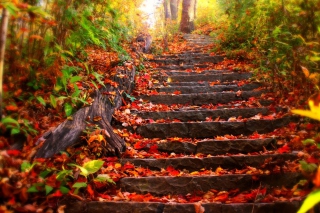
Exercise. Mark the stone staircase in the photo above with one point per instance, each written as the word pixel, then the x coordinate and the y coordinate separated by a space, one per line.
pixel 207 110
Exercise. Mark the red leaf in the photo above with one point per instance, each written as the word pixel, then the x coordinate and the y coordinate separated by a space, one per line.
pixel 284 149
pixel 154 149
pixel 195 198
pixel 12 108
pixel 153 93
pixel 135 197
pixel 312 160
pixel 198 208
pixel 128 166
pixel 107 197
pixel 110 159
pixel 255 135
pixel 172 171
pixel 147 76
pixel 90 191
pixel 223 197
pixel 310 126
pixel 292 126
pixel 57 194
pixel 13 152
pixel 139 145
pixel 176 92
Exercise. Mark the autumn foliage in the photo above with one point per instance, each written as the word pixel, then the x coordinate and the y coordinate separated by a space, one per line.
pixel 59 52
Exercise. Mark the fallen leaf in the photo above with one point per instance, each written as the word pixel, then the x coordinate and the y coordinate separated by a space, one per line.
pixel 198 207
pixel 172 171
pixel 12 108
pixel 316 179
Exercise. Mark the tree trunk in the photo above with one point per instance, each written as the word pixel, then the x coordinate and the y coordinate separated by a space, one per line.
pixel 195 8
pixel 167 11
pixel 174 7
pixel 3 37
pixel 188 15
pixel 98 114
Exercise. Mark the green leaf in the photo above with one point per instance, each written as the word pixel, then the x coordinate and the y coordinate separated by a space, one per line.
pixel 15 131
pixel 25 166
pixel 63 174
pixel 132 99
pixel 64 190
pixel 75 79
pixel 94 84
pixel 44 173
pixel 84 171
pixel 8 120
pixel 93 166
pixel 315 58
pixel 33 188
pixel 79 185
pixel 68 109
pixel 104 178
pixel 53 101
pixel 41 100
pixel 48 189
pixel 76 94
pixel 98 76
pixel 308 142
pixel 39 11
pixel 58 87
pixel 13 10
pixel 308 167
pixel 312 199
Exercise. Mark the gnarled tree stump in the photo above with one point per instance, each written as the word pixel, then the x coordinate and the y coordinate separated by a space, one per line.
pixel 68 133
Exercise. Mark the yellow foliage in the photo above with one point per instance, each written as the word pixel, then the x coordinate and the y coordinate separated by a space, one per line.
pixel 313 113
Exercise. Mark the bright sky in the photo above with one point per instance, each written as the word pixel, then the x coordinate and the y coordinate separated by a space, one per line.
pixel 149 7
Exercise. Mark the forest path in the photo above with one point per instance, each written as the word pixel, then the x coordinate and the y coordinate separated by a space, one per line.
pixel 204 140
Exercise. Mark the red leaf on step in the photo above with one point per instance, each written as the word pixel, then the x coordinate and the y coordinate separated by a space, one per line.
pixel 198 208
pixel 135 197
pixel 107 197
pixel 172 171
pixel 153 149
pixel 222 196
pixel 176 92
pixel 128 166
pixel 139 145
pixel 284 149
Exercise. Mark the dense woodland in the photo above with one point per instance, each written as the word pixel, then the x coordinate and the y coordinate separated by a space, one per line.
pixel 54 54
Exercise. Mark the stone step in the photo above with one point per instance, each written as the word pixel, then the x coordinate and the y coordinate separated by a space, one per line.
pixel 223 77
pixel 75 206
pixel 164 185
pixel 196 36
pixel 217 147
pixel 203 114
pixel 226 162
pixel 195 72
pixel 199 83
pixel 181 55
pixel 199 43
pixel 189 60
pixel 211 129
pixel 182 67
pixel 207 88
pixel 201 98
